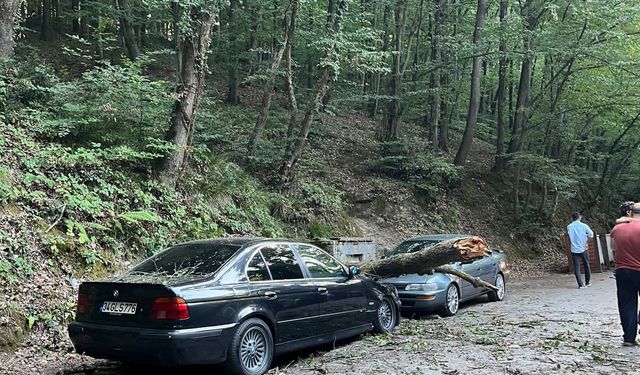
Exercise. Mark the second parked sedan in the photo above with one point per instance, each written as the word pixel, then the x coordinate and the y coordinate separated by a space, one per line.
pixel 442 293
pixel 237 301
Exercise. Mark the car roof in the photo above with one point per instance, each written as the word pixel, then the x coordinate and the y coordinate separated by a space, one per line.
pixel 238 241
pixel 440 237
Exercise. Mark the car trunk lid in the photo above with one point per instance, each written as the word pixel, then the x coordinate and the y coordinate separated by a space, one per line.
pixel 127 304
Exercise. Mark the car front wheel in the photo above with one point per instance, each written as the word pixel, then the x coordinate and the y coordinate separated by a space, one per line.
pixel 498 295
pixel 251 349
pixel 452 301
pixel 386 318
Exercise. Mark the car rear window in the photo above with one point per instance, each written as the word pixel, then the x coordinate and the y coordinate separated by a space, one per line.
pixel 188 259
pixel 411 246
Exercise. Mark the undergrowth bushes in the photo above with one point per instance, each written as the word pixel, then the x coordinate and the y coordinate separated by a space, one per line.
pixel 430 175
pixel 80 172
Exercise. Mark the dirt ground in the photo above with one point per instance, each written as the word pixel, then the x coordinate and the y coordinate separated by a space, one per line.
pixel 544 326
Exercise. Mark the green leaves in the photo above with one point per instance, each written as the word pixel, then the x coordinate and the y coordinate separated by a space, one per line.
pixel 109 104
pixel 7 191
pixel 133 217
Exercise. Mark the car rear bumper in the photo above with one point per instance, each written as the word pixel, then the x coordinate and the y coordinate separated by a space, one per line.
pixel 206 345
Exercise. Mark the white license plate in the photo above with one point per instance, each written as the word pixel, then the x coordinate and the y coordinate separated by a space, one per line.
pixel 119 307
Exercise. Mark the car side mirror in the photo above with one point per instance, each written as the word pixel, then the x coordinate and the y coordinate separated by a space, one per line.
pixel 354 271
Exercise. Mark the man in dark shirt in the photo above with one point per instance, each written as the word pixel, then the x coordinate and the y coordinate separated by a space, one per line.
pixel 626 240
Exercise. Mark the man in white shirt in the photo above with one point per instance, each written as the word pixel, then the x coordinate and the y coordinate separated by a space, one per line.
pixel 579 234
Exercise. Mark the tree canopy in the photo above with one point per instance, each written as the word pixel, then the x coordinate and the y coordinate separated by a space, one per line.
pixel 550 83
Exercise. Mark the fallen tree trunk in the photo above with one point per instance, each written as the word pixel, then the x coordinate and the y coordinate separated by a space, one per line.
pixel 433 258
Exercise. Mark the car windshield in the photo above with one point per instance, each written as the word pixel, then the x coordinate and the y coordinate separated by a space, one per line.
pixel 188 260
pixel 412 246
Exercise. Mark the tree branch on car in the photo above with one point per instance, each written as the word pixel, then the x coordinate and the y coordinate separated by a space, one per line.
pixel 433 257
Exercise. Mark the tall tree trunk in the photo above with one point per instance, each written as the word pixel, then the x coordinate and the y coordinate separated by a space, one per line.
pixel 55 6
pixel 527 198
pixel 375 101
pixel 436 59
pixel 443 132
pixel 416 54
pixel 542 208
pixel 38 14
pixel 256 16
pixel 233 95
pixel 392 118
pixel 309 73
pixel 265 106
pixel 75 20
pixel 274 32
pixel 516 194
pixel 524 85
pixel 8 9
pixel 139 33
pixel 474 100
pixel 176 12
pixel 521 103
pixel 510 95
pixel 194 63
pixel 445 80
pixel 327 75
pixel 500 95
pixel 128 32
pixel 293 104
pixel 84 18
pixel 46 29
pixel 455 71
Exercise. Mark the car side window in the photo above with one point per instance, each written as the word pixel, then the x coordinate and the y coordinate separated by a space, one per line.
pixel 282 263
pixel 319 263
pixel 257 269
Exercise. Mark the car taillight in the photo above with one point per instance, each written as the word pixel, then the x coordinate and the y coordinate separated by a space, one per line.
pixel 83 304
pixel 173 308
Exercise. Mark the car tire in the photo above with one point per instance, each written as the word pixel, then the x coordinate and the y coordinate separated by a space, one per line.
pixel 451 302
pixel 251 349
pixel 498 295
pixel 386 317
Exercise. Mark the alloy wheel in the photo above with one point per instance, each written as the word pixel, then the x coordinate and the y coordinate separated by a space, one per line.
pixel 500 286
pixel 254 349
pixel 453 299
pixel 386 315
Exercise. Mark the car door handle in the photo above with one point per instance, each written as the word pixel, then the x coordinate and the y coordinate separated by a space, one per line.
pixel 323 291
pixel 270 295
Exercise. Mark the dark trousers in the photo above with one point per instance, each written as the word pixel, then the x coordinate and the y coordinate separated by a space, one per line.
pixel 584 256
pixel 628 286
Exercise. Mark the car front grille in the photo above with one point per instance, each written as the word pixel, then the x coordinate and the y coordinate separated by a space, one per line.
pixel 400 286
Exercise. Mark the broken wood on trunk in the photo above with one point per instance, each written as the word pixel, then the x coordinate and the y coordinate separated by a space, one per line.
pixel 429 258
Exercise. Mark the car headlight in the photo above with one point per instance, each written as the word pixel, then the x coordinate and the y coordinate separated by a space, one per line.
pixel 428 287
pixel 504 265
